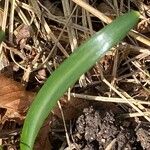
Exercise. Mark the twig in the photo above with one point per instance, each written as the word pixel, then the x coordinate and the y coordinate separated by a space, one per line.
pixel 56 42
pixel 129 115
pixel 108 99
pixel 11 21
pixel 107 20
pixel 123 97
pixel 71 32
pixel 64 122
pixel 93 11
pixel 109 147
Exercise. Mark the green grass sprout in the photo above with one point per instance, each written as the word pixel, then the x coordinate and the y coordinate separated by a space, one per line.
pixel 79 62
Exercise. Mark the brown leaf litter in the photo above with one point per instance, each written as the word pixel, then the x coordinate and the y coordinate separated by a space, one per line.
pixel 14 98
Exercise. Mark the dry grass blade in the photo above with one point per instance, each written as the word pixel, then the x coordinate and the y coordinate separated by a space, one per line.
pixel 112 143
pixel 11 21
pixel 138 66
pixel 71 31
pixel 50 34
pixel 64 122
pixel 57 41
pixel 93 11
pixel 5 15
pixel 108 99
pixel 21 14
pixel 107 20
pixel 123 97
pixel 129 115
pixel 4 21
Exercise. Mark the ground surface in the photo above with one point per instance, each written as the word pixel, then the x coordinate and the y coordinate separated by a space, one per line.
pixel 99 111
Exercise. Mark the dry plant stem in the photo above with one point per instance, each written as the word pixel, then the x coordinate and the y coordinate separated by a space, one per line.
pixel 137 65
pixel 126 75
pixel 90 23
pixel 114 71
pixel 138 57
pixel 121 5
pixel 93 11
pixel 116 7
pixel 50 16
pixel 36 8
pixel 64 122
pixel 50 34
pixel 112 143
pixel 133 81
pixel 21 15
pixel 123 97
pixel 140 106
pixel 60 35
pixel 110 4
pixel 129 115
pixel 107 20
pixel 14 50
pixel 61 20
pixel 71 32
pixel 128 5
pixel 108 99
pixel 86 21
pixel 24 6
pixel 11 21
pixel 26 74
pixel 11 28
pixel 135 49
pixel 29 9
pixel 82 81
pixel 140 37
pixel 6 6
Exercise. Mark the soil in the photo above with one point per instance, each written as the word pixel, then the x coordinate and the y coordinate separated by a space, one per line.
pixel 90 125
pixel 99 129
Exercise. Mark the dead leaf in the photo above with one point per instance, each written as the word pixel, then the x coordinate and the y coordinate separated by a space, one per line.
pixel 16 100
pixel 13 97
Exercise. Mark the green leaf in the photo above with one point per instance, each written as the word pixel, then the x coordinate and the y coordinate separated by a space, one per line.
pixel 69 71
pixel 2 36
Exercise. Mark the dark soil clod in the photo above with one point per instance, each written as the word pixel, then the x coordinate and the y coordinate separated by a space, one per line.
pixel 98 131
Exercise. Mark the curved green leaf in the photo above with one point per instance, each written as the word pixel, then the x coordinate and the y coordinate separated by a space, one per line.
pixel 69 71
